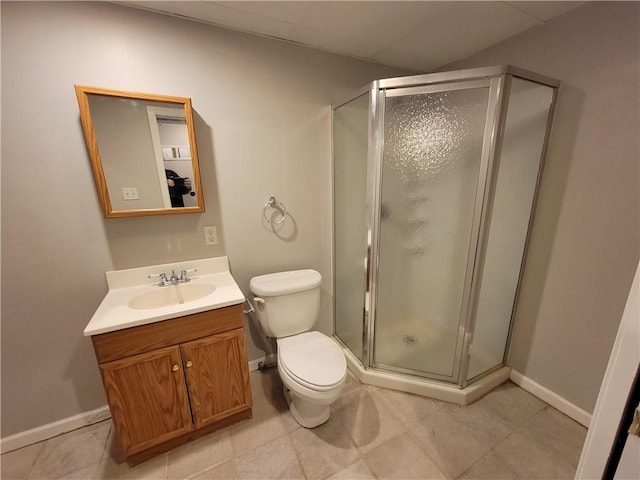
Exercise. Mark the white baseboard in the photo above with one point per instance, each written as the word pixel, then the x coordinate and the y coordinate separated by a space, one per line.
pixel 53 429
pixel 65 425
pixel 553 399
pixel 267 359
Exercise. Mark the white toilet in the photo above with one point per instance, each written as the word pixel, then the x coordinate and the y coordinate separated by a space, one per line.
pixel 311 365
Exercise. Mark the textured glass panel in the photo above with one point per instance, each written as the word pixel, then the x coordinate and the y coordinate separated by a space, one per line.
pixel 350 175
pixel 432 150
pixel 518 165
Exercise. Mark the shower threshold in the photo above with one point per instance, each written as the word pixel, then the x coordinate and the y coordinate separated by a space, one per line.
pixel 427 388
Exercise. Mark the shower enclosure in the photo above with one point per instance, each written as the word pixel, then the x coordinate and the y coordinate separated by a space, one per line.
pixel 435 178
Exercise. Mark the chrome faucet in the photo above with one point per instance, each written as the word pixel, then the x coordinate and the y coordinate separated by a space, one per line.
pixel 174 279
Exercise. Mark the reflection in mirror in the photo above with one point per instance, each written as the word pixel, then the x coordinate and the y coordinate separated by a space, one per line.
pixel 143 152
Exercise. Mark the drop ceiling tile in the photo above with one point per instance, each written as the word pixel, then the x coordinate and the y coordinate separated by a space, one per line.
pixel 290 12
pixel 337 16
pixel 364 28
pixel 159 6
pixel 398 58
pixel 467 28
pixel 332 16
pixel 338 43
pixel 236 19
pixel 344 26
pixel 546 11
pixel 407 17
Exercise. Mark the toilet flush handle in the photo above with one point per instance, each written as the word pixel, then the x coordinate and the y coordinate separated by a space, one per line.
pixel 258 300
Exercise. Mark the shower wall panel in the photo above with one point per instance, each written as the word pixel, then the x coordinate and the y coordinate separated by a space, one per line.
pixel 517 168
pixel 350 142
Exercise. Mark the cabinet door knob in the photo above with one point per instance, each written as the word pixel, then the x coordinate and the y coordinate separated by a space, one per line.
pixel 175 368
pixel 189 364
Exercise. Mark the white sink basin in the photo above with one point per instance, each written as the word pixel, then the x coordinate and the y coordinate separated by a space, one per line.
pixel 131 301
pixel 172 295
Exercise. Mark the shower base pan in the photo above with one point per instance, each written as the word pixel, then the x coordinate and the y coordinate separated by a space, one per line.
pixel 424 387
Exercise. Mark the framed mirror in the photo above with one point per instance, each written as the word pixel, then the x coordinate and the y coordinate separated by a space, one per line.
pixel 143 152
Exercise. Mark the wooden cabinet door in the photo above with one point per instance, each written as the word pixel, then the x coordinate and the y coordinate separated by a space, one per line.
pixel 217 376
pixel 148 398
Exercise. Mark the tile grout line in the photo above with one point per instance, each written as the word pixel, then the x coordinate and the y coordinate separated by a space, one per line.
pixel 484 457
pixel 93 464
pixel 522 427
pixel 505 439
pixel 406 427
pixel 35 460
pixel 502 441
pixel 547 407
pixel 297 455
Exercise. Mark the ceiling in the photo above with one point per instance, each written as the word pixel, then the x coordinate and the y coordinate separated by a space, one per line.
pixel 418 35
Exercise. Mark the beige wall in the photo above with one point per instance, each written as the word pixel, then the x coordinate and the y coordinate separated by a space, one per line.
pixel 262 114
pixel 585 242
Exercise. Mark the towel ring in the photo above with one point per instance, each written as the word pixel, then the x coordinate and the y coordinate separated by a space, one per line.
pixel 275 204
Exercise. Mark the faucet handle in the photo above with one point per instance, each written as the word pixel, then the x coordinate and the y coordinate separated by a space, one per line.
pixel 183 274
pixel 163 278
pixel 157 275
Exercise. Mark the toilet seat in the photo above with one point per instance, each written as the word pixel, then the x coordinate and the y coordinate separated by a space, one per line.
pixel 313 360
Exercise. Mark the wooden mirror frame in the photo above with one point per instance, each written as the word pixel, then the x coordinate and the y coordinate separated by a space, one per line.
pixel 82 93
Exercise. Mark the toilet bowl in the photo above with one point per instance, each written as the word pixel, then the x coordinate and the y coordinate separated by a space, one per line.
pixel 311 365
pixel 313 371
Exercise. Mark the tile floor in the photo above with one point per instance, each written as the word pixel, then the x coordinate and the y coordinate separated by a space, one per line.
pixel 372 433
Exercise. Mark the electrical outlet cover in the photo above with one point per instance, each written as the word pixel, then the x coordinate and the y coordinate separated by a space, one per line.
pixel 210 235
pixel 130 193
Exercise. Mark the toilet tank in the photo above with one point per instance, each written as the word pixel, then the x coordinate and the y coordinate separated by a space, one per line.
pixel 286 303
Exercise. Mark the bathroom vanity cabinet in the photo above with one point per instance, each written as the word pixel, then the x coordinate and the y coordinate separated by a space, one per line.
pixel 174 380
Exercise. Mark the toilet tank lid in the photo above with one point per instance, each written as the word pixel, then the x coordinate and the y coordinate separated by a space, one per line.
pixel 283 283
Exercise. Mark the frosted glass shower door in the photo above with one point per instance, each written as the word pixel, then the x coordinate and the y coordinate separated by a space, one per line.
pixel 431 164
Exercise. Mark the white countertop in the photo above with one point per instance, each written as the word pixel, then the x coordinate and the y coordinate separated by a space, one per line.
pixel 114 312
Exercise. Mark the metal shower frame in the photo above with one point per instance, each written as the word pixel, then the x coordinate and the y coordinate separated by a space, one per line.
pixel 498 80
